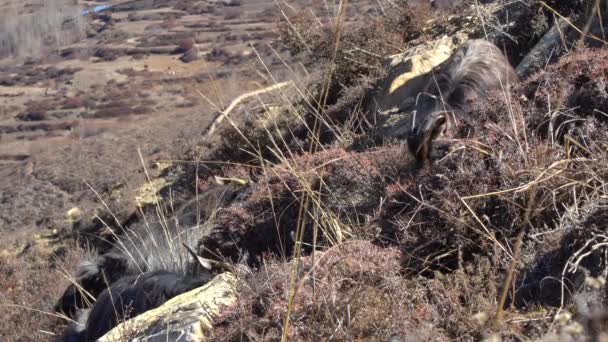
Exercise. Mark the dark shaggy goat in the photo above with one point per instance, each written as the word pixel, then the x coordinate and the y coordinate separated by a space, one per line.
pixel 147 266
pixel 474 69
pixel 129 297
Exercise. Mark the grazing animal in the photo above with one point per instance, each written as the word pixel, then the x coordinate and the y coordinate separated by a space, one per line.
pixel 474 69
pixel 133 295
pixel 129 297
pixel 147 267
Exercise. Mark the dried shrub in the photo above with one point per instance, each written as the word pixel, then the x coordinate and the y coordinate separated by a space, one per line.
pixel 113 112
pixel 575 87
pixel 32 116
pixel 232 14
pixel 56 24
pixel 73 103
pixel 572 253
pixel 194 7
pixel 454 224
pixel 31 282
pixel 190 55
pixel 41 105
pixel 231 3
pixel 431 214
pixel 108 55
pixel 185 45
pixel 139 110
pixel 363 46
pixel 349 189
pixel 169 23
pixel 355 292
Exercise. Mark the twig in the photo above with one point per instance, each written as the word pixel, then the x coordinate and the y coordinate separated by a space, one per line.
pixel 516 252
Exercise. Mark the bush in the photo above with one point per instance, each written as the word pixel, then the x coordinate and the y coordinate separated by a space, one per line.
pixel 231 14
pixel 73 103
pixel 185 45
pixel 441 237
pixel 364 44
pixel 32 280
pixel 32 116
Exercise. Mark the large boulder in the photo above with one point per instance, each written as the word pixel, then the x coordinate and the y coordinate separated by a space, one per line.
pixel 185 318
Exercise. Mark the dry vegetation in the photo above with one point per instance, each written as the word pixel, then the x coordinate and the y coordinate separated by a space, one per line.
pixel 339 238
pixel 32 280
pixel 521 189
pixel 54 25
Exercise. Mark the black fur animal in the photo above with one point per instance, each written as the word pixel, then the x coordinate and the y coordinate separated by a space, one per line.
pixel 91 279
pixel 129 297
pixel 474 69
pixel 147 266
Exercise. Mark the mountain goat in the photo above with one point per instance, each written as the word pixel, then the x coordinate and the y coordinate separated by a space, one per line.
pixel 148 265
pixel 473 69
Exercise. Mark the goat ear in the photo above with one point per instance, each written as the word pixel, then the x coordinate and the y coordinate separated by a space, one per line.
pixel 205 263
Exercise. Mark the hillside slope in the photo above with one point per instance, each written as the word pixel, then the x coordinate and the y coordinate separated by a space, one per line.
pixel 334 231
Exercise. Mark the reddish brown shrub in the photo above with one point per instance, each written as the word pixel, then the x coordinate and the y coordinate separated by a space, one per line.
pixel 143 110
pixel 169 23
pixel 349 187
pixel 115 109
pixel 185 45
pixel 363 44
pixel 73 103
pixel 354 292
pixel 32 281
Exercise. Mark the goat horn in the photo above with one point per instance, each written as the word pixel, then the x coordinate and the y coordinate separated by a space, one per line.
pixel 207 263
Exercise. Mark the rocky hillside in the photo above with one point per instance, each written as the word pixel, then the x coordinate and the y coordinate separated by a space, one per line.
pixel 332 231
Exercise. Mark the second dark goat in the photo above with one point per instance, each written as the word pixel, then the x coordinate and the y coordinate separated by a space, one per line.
pixel 473 69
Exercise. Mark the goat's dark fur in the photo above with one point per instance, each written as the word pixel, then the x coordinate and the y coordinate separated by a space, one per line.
pixel 92 277
pixel 474 69
pixel 143 270
pixel 129 297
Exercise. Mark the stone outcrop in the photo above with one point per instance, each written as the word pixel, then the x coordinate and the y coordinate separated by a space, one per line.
pixel 185 318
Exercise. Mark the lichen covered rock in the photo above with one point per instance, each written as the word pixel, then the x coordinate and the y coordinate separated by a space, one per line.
pixel 185 318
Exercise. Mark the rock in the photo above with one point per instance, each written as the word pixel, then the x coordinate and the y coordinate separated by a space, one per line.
pixel 148 192
pixel 74 214
pixel 548 48
pixel 187 317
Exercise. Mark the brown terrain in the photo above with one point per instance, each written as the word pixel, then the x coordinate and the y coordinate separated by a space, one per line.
pixel 121 122
pixel 79 114
pixel 87 104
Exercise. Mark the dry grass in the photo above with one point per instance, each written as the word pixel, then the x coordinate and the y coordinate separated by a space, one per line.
pixel 32 281
pixel 496 199
pixel 55 24
pixel 349 244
